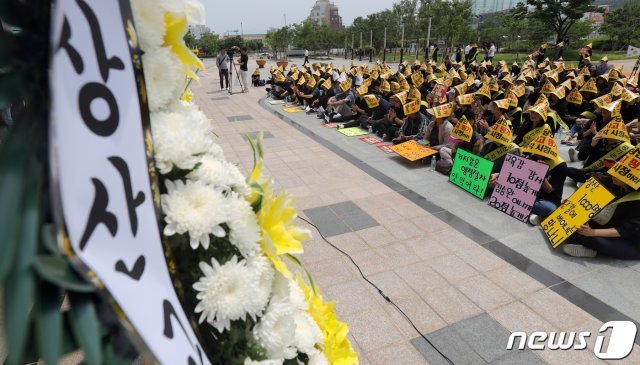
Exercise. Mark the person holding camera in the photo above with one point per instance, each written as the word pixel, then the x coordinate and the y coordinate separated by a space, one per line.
pixel 223 68
pixel 243 62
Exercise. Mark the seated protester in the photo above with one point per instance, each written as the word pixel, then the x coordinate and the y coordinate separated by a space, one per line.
pixel 361 109
pixel 312 99
pixel 630 108
pixel 462 137
pixel 576 104
pixel 305 93
pixel 499 144
pixel 320 104
pixel 339 107
pixel 615 231
pixel 543 149
pixel 279 91
pixel 597 123
pixel 255 78
pixel 436 135
pixel 611 143
pixel 464 109
pixel 377 108
pixel 535 123
pixel 393 118
pixel 414 120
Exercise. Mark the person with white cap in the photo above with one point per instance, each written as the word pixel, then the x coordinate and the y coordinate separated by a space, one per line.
pixel 604 67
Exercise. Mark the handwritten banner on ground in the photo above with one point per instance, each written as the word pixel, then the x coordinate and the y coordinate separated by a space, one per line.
pixel 518 185
pixel 577 210
pixel 293 110
pixel 386 148
pixel 276 102
pixel 330 125
pixel 370 140
pixel 471 173
pixel 353 132
pixel 413 151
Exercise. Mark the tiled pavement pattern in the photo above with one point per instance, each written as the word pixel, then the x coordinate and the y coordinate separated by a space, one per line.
pixel 440 277
pixel 340 218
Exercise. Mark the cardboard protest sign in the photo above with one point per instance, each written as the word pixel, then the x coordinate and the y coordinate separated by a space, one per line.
pixel 386 148
pixel 471 173
pixel 104 175
pixel 353 132
pixel 276 102
pixel 577 210
pixel 413 151
pixel 330 125
pixel 371 140
pixel 518 185
pixel 628 169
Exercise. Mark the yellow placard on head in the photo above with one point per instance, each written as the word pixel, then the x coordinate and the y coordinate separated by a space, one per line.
pixel 590 87
pixel 414 94
pixel 301 81
pixel 559 92
pixel 547 88
pixel 616 90
pixel 462 130
pixel 395 87
pixel 279 77
pixel 311 82
pixel 256 72
pixel 466 99
pixel 519 90
pixel 441 111
pixel 544 146
pixel 484 90
pixel 541 109
pixel 628 95
pixel 327 84
pixel 385 86
pixel 461 89
pixel 603 100
pixel 513 99
pixel 362 90
pixel 615 129
pixel 500 133
pixel 627 169
pixel 502 103
pixel 372 101
pixel 346 85
pixel 411 107
pixel 417 79
pixel 402 96
pixel 575 97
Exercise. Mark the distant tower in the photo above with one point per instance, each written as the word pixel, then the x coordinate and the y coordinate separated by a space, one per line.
pixel 326 12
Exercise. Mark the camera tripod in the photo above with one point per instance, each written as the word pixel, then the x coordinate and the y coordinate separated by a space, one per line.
pixel 635 67
pixel 232 66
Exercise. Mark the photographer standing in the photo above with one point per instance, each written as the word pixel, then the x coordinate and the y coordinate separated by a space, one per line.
pixel 244 61
pixel 223 68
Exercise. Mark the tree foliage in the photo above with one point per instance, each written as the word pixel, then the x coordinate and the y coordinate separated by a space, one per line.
pixel 279 40
pixel 560 15
pixel 621 25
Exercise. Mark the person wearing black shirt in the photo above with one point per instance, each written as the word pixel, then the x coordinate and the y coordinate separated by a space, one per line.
pixel 243 63
pixel 615 231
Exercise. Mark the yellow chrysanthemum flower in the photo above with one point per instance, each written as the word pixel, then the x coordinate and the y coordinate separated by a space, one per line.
pixel 187 97
pixel 279 235
pixel 337 347
pixel 176 27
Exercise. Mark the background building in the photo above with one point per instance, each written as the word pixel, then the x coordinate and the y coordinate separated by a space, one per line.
pixel 198 30
pixel 326 12
pixel 492 6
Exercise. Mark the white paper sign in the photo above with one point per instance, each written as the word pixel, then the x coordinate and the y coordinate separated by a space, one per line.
pixel 100 170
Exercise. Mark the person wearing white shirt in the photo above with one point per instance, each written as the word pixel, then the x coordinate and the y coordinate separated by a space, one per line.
pixel 492 52
pixel 306 57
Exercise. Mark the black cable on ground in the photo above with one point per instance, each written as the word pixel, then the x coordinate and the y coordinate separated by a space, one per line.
pixel 379 291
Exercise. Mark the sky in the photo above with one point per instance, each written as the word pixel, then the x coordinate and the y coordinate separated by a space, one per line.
pixel 259 15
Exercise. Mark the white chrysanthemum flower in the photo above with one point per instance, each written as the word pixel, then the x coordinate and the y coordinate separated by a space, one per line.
pixel 318 358
pixel 265 273
pixel 248 361
pixel 287 289
pixel 216 151
pixel 227 293
pixel 194 208
pixel 276 330
pixel 244 232
pixel 308 334
pixel 217 172
pixel 149 18
pixel 179 138
pixel 165 77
